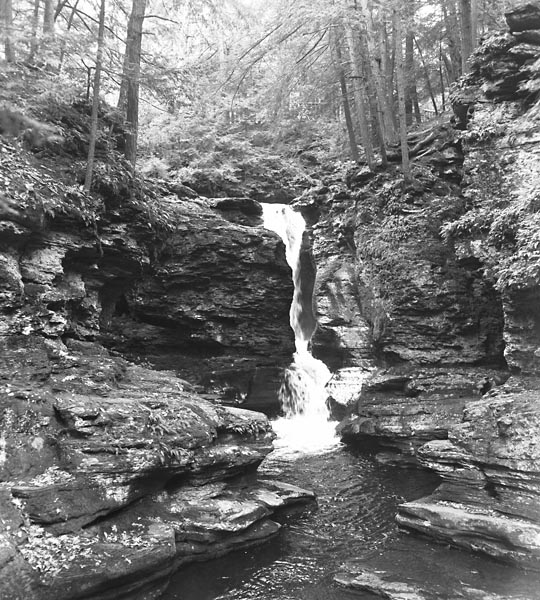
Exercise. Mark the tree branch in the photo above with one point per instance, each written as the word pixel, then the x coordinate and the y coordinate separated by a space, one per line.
pixel 161 18
pixel 313 48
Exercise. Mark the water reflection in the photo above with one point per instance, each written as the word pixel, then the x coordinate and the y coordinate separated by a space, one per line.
pixel 354 521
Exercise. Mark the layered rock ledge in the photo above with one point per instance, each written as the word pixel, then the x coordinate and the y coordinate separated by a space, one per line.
pixel 489 500
pixel 112 475
pixel 429 294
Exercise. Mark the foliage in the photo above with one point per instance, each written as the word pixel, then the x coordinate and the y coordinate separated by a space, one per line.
pixel 214 158
pixel 226 65
pixel 508 241
pixel 36 193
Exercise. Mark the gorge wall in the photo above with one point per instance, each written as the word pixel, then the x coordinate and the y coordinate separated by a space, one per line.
pixel 428 299
pixel 429 314
pixel 114 474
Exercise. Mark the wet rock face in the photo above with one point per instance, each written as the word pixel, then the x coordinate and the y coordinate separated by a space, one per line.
pixel 445 276
pixel 389 285
pixel 113 475
pixel 209 296
pixel 490 496
pixel 218 289
pixel 342 338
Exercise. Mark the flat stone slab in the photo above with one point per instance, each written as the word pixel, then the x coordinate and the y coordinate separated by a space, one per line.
pixel 370 581
pixel 385 585
pixel 505 538
pixel 276 494
pixel 132 553
pixel 107 566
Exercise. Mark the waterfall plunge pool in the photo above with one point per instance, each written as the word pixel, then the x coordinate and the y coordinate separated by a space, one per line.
pixel 357 498
pixel 354 521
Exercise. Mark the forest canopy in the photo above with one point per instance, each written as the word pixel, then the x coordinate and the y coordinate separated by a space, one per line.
pixel 349 75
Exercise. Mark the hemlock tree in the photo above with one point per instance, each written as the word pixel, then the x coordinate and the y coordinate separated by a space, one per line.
pixel 6 19
pixel 129 91
pixel 344 95
pixel 468 35
pixel 95 100
pixel 400 77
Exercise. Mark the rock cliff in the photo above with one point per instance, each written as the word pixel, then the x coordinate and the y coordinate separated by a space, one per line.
pixel 428 296
pixel 114 474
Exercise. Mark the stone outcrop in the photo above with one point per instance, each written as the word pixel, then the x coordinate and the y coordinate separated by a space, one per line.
pixel 442 278
pixel 400 409
pixel 113 475
pixel 490 496
pixel 193 285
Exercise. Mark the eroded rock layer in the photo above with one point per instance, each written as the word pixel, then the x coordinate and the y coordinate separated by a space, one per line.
pixel 113 475
pixel 428 295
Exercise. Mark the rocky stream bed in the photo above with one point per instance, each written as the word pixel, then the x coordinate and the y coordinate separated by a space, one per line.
pixel 134 337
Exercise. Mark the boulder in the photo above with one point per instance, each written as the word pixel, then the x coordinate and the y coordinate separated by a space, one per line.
pixel 489 499
pixel 400 409
pixel 524 17
pixel 113 475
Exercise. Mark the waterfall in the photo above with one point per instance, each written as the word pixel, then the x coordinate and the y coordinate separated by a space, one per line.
pixel 305 426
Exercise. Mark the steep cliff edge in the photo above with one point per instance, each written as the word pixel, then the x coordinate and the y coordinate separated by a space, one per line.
pixel 112 474
pixel 439 278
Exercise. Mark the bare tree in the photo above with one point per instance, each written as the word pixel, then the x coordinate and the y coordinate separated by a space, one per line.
pixel 131 78
pixel 400 76
pixel 344 95
pixel 95 101
pixel 6 17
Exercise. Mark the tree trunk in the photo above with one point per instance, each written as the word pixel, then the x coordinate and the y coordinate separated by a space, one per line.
pixel 95 100
pixel 411 93
pixel 426 77
pixel 387 85
pixel 409 75
pixel 48 19
pixel 345 97
pixel 441 77
pixel 400 76
pixel 68 28
pixel 359 100
pixel 374 61
pixel 466 34
pixel 374 97
pixel 6 15
pixel 122 95
pixel 474 23
pixel 34 42
pixel 132 70
pixel 451 24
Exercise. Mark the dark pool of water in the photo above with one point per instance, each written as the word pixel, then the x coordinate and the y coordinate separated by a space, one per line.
pixel 354 520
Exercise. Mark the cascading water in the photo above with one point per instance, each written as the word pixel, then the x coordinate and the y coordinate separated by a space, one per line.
pixel 306 425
